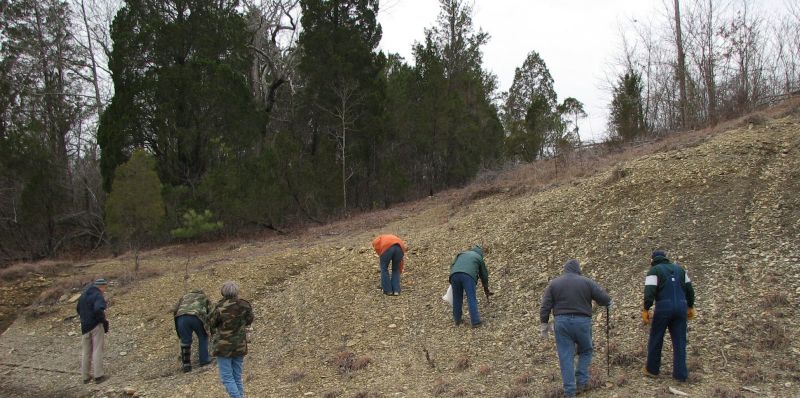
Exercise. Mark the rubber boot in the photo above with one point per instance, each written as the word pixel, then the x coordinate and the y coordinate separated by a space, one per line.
pixel 186 358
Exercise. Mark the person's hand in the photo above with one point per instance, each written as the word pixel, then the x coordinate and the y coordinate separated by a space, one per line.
pixel 105 325
pixel 544 329
pixel 690 313
pixel 488 292
pixel 646 317
pixel 610 304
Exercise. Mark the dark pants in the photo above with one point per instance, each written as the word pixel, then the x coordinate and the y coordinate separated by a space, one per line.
pixel 394 255
pixel 673 319
pixel 185 325
pixel 463 283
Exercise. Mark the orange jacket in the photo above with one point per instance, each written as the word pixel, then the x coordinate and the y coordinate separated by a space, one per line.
pixel 383 242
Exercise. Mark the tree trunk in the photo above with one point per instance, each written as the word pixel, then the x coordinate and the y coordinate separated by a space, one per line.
pixel 681 67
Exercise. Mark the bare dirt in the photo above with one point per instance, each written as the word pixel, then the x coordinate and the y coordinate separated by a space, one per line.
pixel 724 204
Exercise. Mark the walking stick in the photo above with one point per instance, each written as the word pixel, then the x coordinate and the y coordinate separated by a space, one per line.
pixel 608 355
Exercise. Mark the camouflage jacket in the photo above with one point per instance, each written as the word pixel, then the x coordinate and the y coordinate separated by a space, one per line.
pixel 227 322
pixel 193 303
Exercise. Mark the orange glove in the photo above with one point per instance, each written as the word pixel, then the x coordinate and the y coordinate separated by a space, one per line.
pixel 690 313
pixel 645 317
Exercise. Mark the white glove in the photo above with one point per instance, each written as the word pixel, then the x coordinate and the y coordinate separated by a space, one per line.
pixel 610 304
pixel 545 328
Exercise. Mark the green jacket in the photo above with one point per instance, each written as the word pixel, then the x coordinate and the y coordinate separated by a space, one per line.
pixel 227 322
pixel 658 275
pixel 471 262
pixel 193 303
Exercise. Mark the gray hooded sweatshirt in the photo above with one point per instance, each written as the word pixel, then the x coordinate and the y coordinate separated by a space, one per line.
pixel 571 293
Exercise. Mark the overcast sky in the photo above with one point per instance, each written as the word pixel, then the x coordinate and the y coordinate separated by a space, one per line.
pixel 578 40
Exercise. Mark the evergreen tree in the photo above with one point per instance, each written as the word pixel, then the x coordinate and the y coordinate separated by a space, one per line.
pixel 180 88
pixel 531 91
pixel 627 116
pixel 135 208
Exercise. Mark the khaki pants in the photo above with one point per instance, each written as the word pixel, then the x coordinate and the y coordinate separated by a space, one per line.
pixel 92 344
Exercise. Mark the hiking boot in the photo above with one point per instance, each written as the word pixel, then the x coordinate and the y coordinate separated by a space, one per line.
pixel 87 381
pixel 477 325
pixel 98 380
pixel 582 389
pixel 647 373
pixel 458 323
pixel 395 293
pixel 186 368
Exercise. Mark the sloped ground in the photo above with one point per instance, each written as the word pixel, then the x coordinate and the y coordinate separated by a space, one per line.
pixel 727 208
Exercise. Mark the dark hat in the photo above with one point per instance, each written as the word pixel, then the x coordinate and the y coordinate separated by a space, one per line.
pixel 100 282
pixel 658 253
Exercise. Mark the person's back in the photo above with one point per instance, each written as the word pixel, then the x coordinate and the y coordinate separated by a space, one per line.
pixel 572 293
pixel 91 305
pixel 191 314
pixel 193 303
pixel 229 321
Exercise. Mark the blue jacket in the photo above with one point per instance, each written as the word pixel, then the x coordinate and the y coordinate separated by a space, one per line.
pixel 91 308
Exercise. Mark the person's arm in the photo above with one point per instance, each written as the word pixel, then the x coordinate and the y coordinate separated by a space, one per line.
pixel 249 316
pixel 600 295
pixel 650 288
pixel 483 274
pixel 689 290
pixel 546 306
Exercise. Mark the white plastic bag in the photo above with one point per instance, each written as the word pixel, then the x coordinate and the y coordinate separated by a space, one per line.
pixel 448 297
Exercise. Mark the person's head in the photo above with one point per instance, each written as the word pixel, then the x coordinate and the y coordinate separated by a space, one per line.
pixel 229 290
pixel 572 265
pixel 477 249
pixel 101 284
pixel 658 256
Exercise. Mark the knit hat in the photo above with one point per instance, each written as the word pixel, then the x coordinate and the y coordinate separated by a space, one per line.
pixel 658 253
pixel 100 282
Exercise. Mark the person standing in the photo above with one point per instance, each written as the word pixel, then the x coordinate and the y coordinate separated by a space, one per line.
pixel 392 249
pixel 191 313
pixel 91 309
pixel 465 270
pixel 569 297
pixel 228 322
pixel 669 286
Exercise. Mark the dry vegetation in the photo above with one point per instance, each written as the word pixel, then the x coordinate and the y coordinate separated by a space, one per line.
pixel 723 202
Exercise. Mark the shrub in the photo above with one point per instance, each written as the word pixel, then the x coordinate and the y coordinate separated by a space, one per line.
pixel 463 363
pixel 440 387
pixel 295 375
pixel 484 370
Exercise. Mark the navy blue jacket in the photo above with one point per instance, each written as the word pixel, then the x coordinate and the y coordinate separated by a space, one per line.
pixel 91 308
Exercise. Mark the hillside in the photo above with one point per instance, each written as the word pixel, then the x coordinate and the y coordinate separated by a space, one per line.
pixel 723 204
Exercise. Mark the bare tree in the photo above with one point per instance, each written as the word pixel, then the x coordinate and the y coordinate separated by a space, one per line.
pixel 680 66
pixel 345 113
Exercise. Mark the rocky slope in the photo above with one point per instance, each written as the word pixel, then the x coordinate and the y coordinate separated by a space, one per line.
pixel 726 207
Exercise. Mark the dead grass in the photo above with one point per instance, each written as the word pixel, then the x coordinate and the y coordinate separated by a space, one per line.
pixel 725 392
pixel 519 392
pixel 553 392
pixel 295 375
pixel 440 387
pixel 484 370
pixel 750 375
pixel 18 271
pixel 525 378
pixel 774 299
pixel 463 363
pixel 367 394
pixel 460 392
pixel 333 394
pixel 347 361
pixel 773 336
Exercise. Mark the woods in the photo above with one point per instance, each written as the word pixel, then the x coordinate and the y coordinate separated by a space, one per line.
pixel 282 112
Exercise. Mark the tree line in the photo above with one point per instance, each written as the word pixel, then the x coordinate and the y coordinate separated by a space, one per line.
pixel 120 121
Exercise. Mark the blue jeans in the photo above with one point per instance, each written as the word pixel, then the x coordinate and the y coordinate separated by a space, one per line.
pixel 463 283
pixel 394 255
pixel 574 331
pixel 230 373
pixel 672 318
pixel 185 325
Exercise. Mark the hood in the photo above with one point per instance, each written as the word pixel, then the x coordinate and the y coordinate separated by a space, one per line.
pixel 477 249
pixel 572 266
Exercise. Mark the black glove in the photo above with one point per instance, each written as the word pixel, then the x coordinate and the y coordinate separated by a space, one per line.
pixel 105 325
